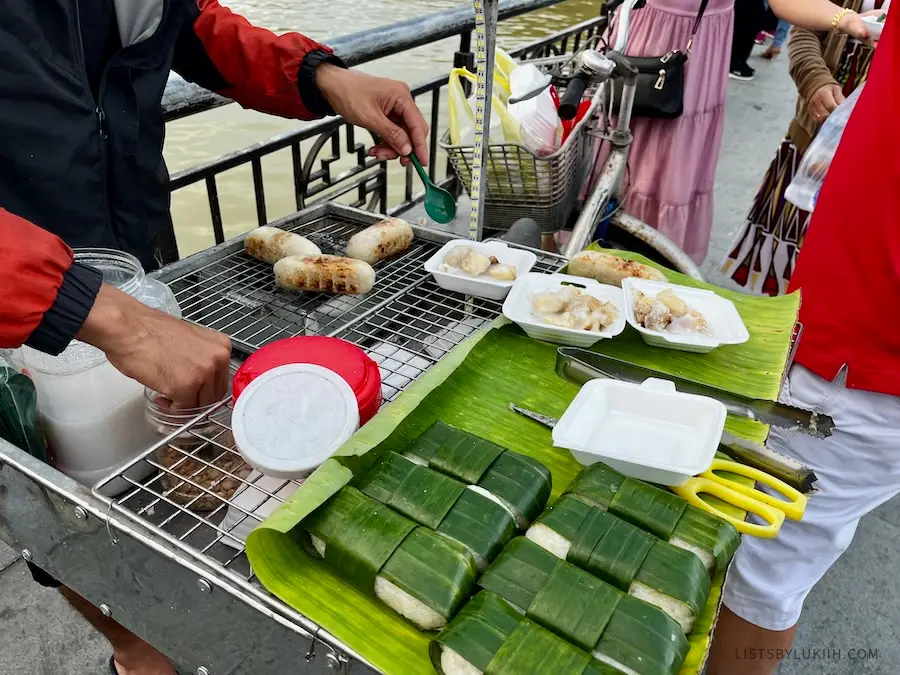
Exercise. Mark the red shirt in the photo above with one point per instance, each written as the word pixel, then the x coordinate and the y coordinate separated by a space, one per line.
pixel 849 267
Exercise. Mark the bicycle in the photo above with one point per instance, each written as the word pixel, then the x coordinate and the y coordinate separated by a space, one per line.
pixel 599 70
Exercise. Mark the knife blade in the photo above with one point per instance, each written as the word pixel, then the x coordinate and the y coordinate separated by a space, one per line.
pixel 546 420
pixel 580 365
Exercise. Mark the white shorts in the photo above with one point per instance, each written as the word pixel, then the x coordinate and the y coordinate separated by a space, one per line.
pixel 858 469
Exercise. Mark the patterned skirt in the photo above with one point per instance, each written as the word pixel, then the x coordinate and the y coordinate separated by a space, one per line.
pixel 763 256
pixel 764 253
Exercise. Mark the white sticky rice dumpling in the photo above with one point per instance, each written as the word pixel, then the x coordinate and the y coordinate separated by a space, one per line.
pixel 502 272
pixel 452 663
pixel 456 256
pixel 549 540
pixel 475 264
pixel 651 313
pixel 407 606
pixel 691 322
pixel 676 305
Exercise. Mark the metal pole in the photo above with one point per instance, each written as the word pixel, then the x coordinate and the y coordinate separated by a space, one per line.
pixel 486 17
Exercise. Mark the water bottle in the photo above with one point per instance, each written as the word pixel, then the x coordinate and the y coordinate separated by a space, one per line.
pixel 804 189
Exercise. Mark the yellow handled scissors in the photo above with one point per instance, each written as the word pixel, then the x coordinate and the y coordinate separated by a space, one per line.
pixel 770 508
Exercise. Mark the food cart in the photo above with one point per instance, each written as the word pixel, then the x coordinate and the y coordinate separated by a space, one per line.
pixel 167 572
pixel 180 577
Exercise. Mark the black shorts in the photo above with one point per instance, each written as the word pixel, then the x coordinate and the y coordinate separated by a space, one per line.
pixel 41 577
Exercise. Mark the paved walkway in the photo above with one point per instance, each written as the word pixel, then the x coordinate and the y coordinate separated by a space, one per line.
pixel 852 614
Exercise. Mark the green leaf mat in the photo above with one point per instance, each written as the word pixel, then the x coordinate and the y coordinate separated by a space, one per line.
pixel 471 388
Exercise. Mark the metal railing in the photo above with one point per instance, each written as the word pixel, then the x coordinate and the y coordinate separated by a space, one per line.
pixel 365 183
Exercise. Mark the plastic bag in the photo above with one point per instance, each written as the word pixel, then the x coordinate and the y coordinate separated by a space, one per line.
pixel 19 423
pixel 504 63
pixel 503 129
pixel 541 128
pixel 804 189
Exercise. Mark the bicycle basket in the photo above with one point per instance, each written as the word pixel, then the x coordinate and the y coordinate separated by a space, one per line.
pixel 521 184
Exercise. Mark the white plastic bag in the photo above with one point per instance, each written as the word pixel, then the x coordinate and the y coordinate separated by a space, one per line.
pixel 804 189
pixel 504 127
pixel 541 128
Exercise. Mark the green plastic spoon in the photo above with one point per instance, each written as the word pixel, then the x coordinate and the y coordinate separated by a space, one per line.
pixel 439 203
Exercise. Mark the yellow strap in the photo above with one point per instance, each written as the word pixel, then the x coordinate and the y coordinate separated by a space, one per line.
pixel 692 490
pixel 794 504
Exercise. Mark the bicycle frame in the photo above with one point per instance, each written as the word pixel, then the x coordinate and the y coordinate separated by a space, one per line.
pixel 611 177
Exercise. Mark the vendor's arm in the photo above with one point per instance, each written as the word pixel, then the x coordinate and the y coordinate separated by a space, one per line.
pixel 49 299
pixel 293 76
pixel 46 295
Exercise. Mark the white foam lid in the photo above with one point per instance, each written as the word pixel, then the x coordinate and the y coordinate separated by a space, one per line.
pixel 292 418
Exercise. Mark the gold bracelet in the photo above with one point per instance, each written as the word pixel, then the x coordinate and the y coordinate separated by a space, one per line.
pixel 836 21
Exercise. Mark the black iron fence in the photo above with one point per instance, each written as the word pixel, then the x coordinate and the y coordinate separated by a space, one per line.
pixel 361 181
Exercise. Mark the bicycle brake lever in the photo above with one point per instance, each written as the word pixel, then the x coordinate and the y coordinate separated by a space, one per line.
pixel 531 94
pixel 623 67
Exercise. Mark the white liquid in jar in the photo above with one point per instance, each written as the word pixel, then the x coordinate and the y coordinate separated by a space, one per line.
pixel 94 422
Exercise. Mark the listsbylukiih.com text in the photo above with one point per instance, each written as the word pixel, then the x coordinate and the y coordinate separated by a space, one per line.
pixel 808 654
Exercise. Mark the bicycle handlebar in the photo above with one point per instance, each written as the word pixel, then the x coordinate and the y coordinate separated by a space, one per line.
pixel 571 100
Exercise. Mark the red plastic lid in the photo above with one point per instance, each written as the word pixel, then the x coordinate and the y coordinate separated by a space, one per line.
pixel 340 356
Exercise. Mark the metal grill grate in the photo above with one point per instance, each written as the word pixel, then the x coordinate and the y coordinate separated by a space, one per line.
pixel 406 325
pixel 236 295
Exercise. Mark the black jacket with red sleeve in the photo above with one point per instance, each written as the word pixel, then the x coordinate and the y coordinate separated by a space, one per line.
pixel 88 168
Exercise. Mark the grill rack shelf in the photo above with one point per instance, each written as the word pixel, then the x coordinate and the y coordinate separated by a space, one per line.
pixel 406 324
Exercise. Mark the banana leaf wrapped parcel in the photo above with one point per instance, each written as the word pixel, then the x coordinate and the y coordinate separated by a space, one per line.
pixel 625 556
pixel 521 484
pixel 621 631
pixel 444 504
pixel 421 575
pixel 659 512
pixel 489 636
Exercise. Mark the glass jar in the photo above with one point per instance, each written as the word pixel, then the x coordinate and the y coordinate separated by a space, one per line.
pixel 201 469
pixel 92 414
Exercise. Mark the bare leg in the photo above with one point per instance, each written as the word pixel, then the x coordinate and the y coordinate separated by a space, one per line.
pixel 740 648
pixel 133 656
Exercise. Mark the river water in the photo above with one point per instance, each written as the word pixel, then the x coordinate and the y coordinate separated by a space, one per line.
pixel 202 137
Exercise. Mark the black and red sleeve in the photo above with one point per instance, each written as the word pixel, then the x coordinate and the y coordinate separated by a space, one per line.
pixel 275 74
pixel 46 295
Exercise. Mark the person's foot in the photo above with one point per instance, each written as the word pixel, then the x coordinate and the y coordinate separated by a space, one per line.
pixel 743 73
pixel 770 53
pixel 760 38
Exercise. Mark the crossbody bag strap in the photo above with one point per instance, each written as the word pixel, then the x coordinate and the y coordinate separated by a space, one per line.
pixel 700 13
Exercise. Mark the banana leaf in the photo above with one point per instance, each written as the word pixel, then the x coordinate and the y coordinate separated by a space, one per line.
pixel 754 369
pixel 471 388
pixel 532 650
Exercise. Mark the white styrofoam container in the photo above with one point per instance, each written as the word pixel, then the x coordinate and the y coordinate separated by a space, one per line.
pixel 647 431
pixel 518 309
pixel 726 325
pixel 483 286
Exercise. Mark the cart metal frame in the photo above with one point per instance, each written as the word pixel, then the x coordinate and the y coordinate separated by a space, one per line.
pixel 161 569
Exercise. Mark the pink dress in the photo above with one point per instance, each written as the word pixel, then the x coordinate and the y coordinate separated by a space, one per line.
pixel 673 162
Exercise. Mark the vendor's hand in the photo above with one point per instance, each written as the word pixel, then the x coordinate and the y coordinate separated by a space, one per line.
pixel 824 101
pixel 384 107
pixel 185 363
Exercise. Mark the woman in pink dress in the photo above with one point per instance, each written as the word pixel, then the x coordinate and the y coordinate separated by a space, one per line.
pixel 673 162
